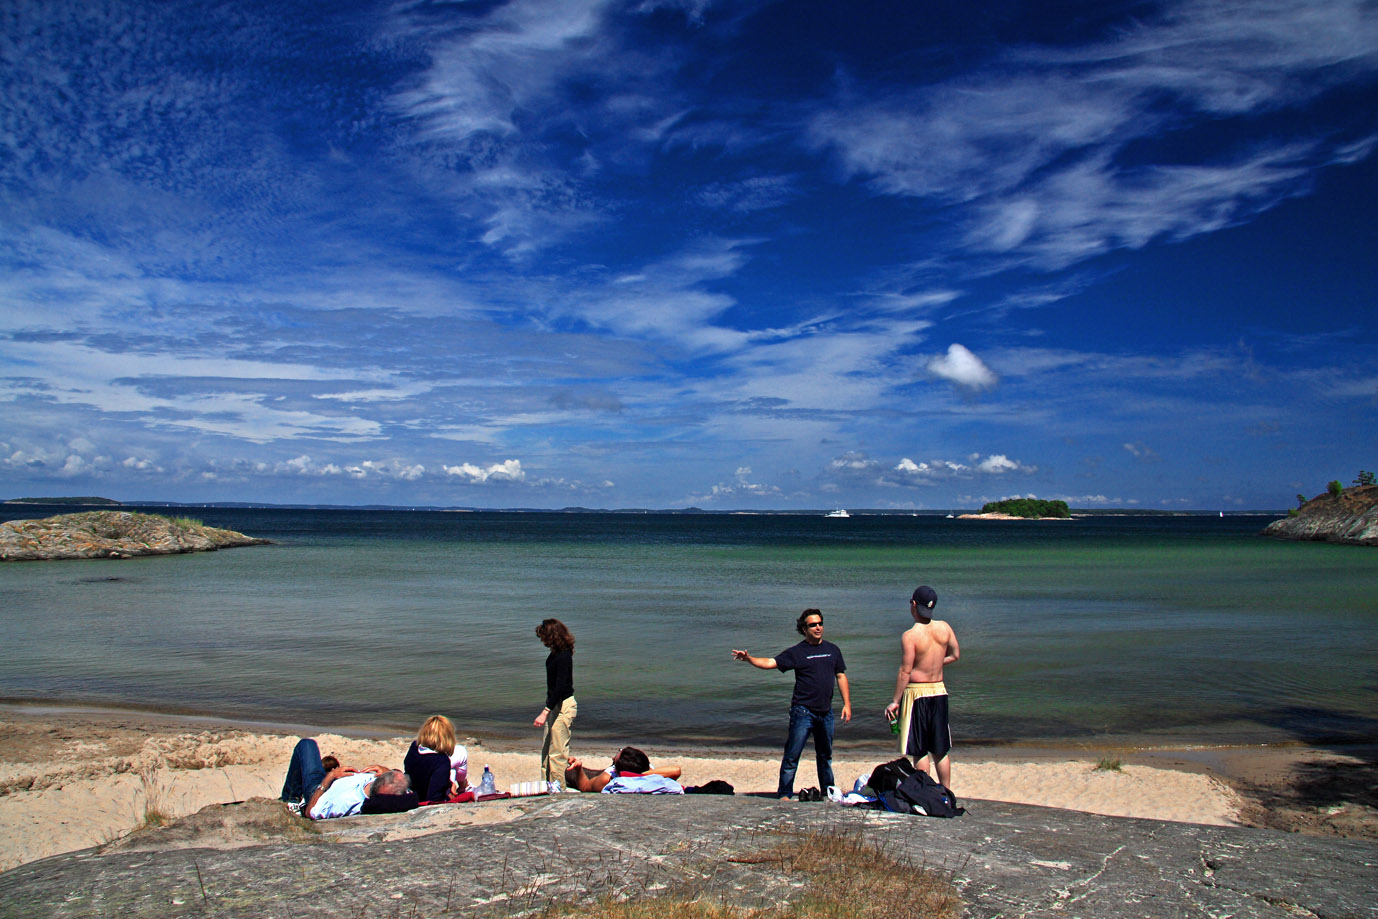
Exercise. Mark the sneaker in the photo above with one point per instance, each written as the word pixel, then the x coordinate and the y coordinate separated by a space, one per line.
pixel 295 807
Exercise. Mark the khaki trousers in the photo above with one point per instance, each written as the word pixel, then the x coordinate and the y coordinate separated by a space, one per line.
pixel 555 741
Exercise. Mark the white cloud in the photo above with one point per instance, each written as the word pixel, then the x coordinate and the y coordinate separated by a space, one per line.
pixel 507 471
pixel 1140 451
pixel 852 462
pixel 962 368
pixel 909 472
pixel 998 463
pixel 374 470
pixel 925 470
pixel 740 488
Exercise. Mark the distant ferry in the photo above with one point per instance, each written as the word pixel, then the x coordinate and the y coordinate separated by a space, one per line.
pixel 837 513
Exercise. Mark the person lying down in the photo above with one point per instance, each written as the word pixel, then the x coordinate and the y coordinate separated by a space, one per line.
pixel 630 773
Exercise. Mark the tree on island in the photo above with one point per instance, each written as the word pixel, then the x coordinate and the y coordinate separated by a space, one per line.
pixel 1335 488
pixel 1027 507
pixel 1365 478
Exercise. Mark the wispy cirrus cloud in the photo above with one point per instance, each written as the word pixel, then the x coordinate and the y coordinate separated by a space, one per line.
pixel 1051 155
pixel 652 243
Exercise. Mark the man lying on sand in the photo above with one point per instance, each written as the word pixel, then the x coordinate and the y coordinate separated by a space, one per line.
pixel 314 792
pixel 627 763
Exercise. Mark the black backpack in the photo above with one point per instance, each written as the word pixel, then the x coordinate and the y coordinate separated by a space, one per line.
pixel 919 794
pixel 888 776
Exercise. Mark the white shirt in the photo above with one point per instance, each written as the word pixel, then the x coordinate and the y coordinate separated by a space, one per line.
pixel 344 798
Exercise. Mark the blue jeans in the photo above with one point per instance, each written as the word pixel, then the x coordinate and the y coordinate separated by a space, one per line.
pixel 802 720
pixel 305 772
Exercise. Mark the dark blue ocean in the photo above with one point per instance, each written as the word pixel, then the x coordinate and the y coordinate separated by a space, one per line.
pixel 1103 631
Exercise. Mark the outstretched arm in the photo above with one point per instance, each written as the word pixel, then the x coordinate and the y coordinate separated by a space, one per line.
pixel 764 663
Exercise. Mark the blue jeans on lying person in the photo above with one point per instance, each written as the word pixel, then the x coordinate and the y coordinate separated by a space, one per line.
pixel 305 772
pixel 803 721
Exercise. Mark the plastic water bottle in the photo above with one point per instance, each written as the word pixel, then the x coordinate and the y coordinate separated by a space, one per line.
pixel 487 785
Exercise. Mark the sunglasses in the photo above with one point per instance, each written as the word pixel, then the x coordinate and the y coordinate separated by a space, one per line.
pixel 814 625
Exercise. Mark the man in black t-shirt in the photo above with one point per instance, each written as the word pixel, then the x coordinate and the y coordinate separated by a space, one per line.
pixel 816 663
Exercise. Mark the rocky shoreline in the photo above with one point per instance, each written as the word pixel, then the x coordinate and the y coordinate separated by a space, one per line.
pixel 112 534
pixel 1351 517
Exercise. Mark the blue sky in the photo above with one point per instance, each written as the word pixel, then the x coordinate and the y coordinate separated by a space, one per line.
pixel 660 254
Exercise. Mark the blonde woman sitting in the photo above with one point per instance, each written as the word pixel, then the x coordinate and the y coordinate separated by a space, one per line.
pixel 434 777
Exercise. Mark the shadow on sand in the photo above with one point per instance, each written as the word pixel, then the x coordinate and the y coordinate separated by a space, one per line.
pixel 1329 789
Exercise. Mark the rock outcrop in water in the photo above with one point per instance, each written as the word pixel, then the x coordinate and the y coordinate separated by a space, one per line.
pixel 112 534
pixel 1349 517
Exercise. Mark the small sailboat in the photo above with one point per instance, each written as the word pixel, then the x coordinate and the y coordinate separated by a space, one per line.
pixel 837 513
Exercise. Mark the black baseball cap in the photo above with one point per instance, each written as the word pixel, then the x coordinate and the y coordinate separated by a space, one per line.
pixel 926 597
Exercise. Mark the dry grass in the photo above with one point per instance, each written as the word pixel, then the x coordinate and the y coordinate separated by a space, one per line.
pixel 156 797
pixel 186 523
pixel 845 877
pixel 1106 764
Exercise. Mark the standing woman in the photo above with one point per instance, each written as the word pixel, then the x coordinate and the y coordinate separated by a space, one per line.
pixel 560 707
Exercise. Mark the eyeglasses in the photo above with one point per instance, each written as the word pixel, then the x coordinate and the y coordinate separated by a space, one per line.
pixel 814 625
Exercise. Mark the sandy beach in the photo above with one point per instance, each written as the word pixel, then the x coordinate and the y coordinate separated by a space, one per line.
pixel 71 780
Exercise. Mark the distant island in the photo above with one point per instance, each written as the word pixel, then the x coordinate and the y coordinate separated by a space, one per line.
pixel 112 534
pixel 995 510
pixel 1022 509
pixel 84 502
pixel 1344 515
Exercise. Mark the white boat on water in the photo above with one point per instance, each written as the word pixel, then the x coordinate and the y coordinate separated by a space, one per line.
pixel 837 513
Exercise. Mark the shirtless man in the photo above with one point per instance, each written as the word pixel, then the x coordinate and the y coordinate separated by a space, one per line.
pixel 926 647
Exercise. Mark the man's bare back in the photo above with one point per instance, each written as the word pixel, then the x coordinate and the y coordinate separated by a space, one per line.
pixel 925 648
pixel 926 645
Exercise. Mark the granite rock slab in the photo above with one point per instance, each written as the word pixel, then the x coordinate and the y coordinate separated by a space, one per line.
pixel 1005 860
pixel 112 534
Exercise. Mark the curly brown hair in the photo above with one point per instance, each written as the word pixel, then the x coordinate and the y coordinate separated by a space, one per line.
pixel 555 635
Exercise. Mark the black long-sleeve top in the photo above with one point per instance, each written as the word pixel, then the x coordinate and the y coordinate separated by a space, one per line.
pixel 429 772
pixel 559 678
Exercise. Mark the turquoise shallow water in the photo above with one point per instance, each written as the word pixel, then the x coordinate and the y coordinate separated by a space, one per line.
pixel 1104 630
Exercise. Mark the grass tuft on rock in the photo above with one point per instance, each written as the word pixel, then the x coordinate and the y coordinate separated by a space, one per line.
pixel 844 877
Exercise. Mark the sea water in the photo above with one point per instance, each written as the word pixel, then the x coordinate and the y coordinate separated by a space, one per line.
pixel 1099 630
